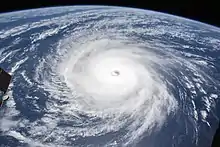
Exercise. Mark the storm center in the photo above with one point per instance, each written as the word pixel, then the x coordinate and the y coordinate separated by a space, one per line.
pixel 115 73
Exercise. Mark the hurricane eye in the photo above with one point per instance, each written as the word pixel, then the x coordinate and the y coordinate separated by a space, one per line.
pixel 115 73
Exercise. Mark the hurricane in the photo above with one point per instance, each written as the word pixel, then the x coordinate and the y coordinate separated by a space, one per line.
pixel 108 76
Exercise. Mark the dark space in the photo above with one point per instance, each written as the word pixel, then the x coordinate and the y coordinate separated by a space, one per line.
pixel 203 11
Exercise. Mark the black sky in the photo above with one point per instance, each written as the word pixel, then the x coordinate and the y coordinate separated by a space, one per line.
pixel 204 11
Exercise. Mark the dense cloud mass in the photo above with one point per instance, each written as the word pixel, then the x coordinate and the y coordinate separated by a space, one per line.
pixel 108 76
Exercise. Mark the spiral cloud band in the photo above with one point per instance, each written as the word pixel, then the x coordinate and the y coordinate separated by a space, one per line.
pixel 107 76
pixel 113 79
